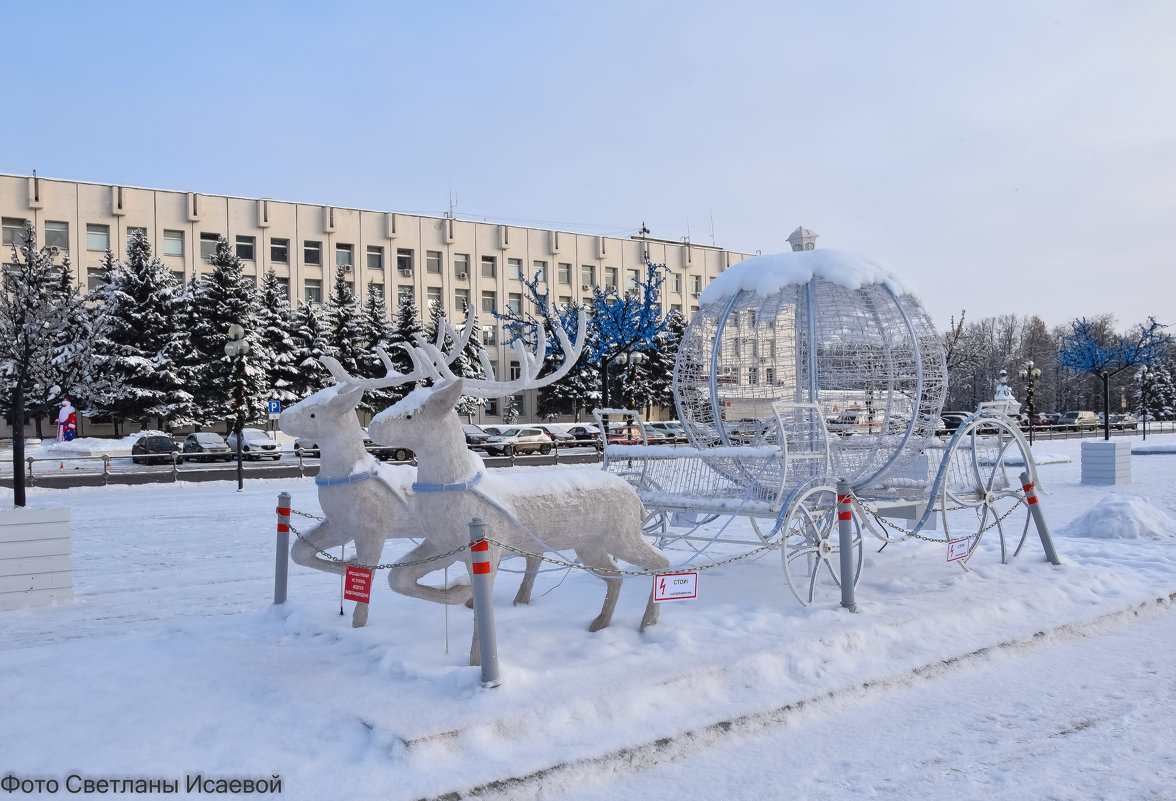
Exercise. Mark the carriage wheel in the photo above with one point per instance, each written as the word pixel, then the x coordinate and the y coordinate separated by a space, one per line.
pixel 984 482
pixel 655 525
pixel 810 545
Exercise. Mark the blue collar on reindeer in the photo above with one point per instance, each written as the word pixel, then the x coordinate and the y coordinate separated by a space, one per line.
pixel 351 479
pixel 464 485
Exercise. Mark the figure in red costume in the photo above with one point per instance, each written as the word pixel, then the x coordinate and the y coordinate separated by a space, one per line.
pixel 67 422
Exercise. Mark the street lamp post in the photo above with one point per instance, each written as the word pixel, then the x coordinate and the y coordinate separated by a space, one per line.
pixel 235 349
pixel 1029 373
pixel 1141 376
pixel 621 359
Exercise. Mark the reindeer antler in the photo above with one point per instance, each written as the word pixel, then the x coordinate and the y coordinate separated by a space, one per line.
pixel 530 362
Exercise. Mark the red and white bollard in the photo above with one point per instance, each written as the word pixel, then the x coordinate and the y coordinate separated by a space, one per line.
pixel 282 557
pixel 483 603
pixel 845 543
pixel 1039 519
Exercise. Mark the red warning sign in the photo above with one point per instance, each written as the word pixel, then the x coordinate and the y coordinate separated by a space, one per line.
pixel 675 587
pixel 357 585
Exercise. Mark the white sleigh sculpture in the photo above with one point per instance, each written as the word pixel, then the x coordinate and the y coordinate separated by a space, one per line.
pixel 591 513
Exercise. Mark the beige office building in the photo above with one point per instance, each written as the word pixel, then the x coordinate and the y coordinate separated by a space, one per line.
pixel 436 259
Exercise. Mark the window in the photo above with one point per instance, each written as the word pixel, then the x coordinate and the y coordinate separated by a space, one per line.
pixel 284 288
pixel 178 275
pixel 770 375
pixel 280 251
pixel 57 235
pixel 461 264
pixel 375 257
pixel 489 267
pixel 491 406
pixel 132 230
pixel 345 256
pixel 93 278
pixel 314 290
pixel 433 297
pixel 406 293
pixel 433 262
pixel 404 259
pixel 246 245
pixel 539 268
pixel 312 252
pixel 97 237
pixel 208 245
pixel 14 232
pixel 633 279
pixel 696 284
pixel 514 268
pixel 489 337
pixel 173 243
pixel 676 307
pixel 514 302
pixel 564 273
pixel 565 300
pixel 753 376
pixel 610 277
pixel 588 275
pixel 676 278
pixel 461 299
pixel 489 302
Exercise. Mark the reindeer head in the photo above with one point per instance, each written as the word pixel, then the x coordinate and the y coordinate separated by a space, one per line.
pixel 422 419
pixel 323 413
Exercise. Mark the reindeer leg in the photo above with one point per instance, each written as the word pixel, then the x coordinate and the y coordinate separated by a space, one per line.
pixel 322 537
pixel 406 580
pixel 368 548
pixel 652 610
pixel 532 569
pixel 602 565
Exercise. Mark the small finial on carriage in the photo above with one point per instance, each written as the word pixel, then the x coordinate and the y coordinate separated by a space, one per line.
pixel 803 239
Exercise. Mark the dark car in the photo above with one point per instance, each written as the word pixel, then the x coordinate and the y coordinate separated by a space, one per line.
pixel 1041 420
pixel 585 435
pixel 475 437
pixel 154 448
pixel 397 453
pixel 205 446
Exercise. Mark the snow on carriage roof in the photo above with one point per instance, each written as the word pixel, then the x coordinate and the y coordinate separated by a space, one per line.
pixel 767 274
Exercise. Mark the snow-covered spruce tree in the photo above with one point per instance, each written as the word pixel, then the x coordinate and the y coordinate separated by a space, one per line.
pixel 656 387
pixel 345 328
pixel 375 332
pixel 144 340
pixel 405 329
pixel 628 323
pixel 32 309
pixel 226 297
pixel 279 352
pixel 308 330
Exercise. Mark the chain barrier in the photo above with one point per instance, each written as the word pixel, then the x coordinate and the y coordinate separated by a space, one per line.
pixel 618 572
pixel 387 566
pixel 914 533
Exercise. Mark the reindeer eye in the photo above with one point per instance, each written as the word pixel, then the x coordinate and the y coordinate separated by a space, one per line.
pixel 312 414
pixel 408 417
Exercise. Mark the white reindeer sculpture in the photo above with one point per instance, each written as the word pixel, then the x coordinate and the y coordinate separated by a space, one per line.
pixel 362 500
pixel 595 514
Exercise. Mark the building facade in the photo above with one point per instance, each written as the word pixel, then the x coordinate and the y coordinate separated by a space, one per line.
pixel 442 260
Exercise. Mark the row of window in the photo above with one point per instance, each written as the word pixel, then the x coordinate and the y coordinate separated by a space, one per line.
pixel 98 239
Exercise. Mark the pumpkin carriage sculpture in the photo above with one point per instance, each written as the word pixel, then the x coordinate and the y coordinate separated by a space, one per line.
pixel 805 368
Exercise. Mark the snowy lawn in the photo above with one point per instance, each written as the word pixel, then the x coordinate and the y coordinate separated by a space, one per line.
pixel 173 662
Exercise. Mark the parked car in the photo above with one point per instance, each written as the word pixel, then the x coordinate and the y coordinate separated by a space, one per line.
pixel 475 436
pixel 154 448
pixel 560 437
pixel 630 435
pixel 256 444
pixel 519 440
pixel 205 446
pixel 671 429
pixel 854 421
pixel 397 453
pixel 1078 421
pixel 1053 417
pixel 1042 420
pixel 953 420
pixel 1123 422
pixel 585 435
pixel 495 431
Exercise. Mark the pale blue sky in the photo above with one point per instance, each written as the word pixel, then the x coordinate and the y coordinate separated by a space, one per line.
pixel 999 157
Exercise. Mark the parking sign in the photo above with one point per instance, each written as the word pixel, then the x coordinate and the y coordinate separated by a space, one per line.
pixel 275 408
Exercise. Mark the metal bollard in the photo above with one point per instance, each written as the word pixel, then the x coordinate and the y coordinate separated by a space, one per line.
pixel 282 556
pixel 1039 519
pixel 845 543
pixel 483 602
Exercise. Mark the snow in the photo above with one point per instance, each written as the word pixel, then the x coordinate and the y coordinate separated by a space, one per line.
pixel 172 661
pixel 765 275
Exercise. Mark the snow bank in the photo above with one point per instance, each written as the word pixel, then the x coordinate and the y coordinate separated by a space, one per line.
pixel 1122 517
pixel 767 274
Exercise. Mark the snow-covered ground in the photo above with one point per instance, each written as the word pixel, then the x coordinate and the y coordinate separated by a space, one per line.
pixel 172 662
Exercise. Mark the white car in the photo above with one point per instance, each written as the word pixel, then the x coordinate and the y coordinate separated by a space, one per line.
pixel 256 444
pixel 519 440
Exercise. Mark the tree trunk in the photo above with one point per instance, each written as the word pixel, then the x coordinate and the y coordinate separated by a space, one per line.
pixel 1106 379
pixel 18 444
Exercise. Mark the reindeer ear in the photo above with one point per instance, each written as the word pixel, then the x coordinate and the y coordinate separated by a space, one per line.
pixel 349 395
pixel 449 394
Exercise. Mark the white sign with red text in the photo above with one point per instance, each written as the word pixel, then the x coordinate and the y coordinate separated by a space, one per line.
pixel 958 549
pixel 675 587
